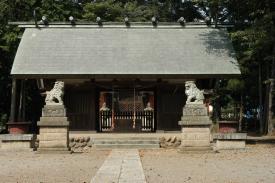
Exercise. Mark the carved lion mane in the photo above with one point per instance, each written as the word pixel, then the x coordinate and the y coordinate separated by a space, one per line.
pixel 194 95
pixel 55 96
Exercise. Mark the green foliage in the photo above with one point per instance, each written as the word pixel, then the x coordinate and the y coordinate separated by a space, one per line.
pixel 3 119
pixel 235 85
pixel 107 10
pixel 138 13
pixel 59 10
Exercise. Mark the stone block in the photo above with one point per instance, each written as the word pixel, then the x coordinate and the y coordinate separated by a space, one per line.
pixel 17 141
pixel 55 121
pixel 194 114
pixel 53 144
pixel 54 111
pixel 206 149
pixel 16 137
pixel 203 129
pixel 195 143
pixel 230 144
pixel 230 136
pixel 194 122
pixel 195 136
pixel 53 136
pixel 53 151
pixel 53 130
pixel 194 110
pixel 16 145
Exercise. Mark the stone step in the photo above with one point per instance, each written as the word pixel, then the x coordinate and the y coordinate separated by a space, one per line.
pixel 126 142
pixel 53 151
pixel 126 138
pixel 193 150
pixel 126 146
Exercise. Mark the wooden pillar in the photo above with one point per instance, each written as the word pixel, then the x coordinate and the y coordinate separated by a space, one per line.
pixel 13 101
pixel 22 99
pixel 17 123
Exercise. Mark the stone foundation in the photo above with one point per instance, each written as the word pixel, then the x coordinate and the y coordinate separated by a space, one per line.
pixel 195 127
pixel 53 131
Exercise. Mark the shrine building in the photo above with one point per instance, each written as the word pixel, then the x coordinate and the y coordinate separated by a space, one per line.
pixel 117 77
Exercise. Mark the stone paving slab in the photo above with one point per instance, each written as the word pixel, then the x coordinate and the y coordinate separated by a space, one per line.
pixel 121 166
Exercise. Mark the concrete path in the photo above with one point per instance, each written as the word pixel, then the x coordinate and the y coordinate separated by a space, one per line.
pixel 121 166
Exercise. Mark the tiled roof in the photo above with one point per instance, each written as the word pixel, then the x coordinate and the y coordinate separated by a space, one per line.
pixel 125 51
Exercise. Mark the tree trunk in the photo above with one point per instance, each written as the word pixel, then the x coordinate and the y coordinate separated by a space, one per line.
pixel 270 127
pixel 260 114
pixel 241 114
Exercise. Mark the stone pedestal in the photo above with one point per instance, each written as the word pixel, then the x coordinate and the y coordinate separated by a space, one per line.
pixel 53 130
pixel 17 142
pixel 195 128
pixel 227 141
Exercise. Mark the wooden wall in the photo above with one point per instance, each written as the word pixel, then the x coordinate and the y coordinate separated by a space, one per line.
pixel 81 107
pixel 170 101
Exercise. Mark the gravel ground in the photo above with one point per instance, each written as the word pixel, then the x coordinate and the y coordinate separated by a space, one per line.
pixel 256 164
pixel 55 168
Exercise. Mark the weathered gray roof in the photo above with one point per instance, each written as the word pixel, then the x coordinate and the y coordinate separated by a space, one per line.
pixel 125 51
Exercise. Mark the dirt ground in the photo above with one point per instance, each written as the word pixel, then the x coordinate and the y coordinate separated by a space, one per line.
pixel 29 167
pixel 256 164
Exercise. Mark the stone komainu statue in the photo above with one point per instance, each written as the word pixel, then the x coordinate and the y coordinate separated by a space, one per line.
pixel 55 96
pixel 194 95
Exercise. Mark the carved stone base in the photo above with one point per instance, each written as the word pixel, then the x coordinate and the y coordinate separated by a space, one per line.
pixel 194 114
pixel 195 127
pixel 53 131
pixel 54 111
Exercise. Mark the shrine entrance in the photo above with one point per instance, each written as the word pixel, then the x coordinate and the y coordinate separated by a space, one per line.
pixel 126 110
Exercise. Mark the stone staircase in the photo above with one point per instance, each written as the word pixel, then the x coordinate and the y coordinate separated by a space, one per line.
pixel 126 142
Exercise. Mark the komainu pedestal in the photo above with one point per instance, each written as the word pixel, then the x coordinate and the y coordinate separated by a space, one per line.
pixel 195 127
pixel 53 130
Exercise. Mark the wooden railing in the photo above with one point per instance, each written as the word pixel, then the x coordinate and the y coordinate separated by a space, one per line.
pixel 140 120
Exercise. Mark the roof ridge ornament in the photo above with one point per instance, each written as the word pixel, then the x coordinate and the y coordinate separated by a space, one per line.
pixel 182 21
pixel 99 21
pixel 127 22
pixel 44 20
pixel 154 21
pixel 72 20
pixel 208 21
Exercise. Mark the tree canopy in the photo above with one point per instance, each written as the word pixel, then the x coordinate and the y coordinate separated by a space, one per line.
pixel 252 35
